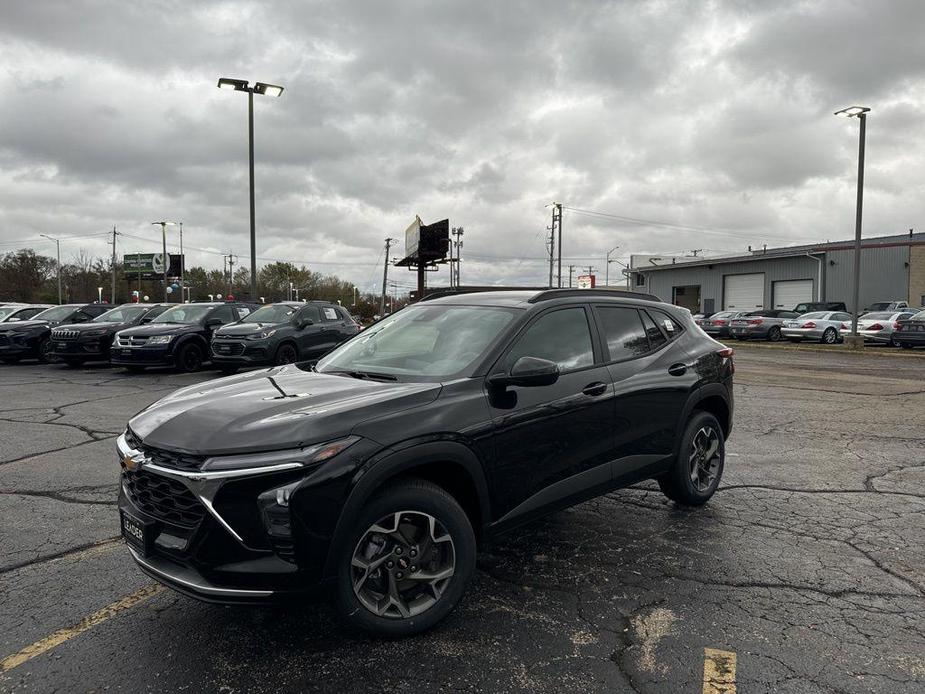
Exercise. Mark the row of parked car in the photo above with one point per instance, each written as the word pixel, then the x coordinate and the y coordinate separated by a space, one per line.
pixel 897 327
pixel 136 336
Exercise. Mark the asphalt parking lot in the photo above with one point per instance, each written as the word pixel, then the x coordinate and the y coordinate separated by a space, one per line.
pixel 805 573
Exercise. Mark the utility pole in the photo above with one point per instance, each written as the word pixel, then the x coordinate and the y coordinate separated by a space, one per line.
pixel 452 262
pixel 695 251
pixel 552 247
pixel 112 298
pixel 557 209
pixel 571 269
pixel 182 263
pixel 232 259
pixel 607 267
pixel 385 276
pixel 458 233
pixel 58 265
pixel 591 270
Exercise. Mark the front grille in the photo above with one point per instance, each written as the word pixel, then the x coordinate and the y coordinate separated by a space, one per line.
pixel 65 334
pixel 163 498
pixel 169 459
pixel 228 349
pixel 133 340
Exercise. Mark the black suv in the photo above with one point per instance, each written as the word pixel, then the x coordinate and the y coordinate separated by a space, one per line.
pixel 31 339
pixel 76 344
pixel 282 333
pixel 179 337
pixel 374 473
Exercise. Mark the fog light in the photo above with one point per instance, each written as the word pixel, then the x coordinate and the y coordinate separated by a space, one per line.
pixel 274 511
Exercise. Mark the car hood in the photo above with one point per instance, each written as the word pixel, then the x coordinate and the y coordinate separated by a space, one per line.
pixel 83 327
pixel 278 408
pixel 23 325
pixel 242 329
pixel 162 329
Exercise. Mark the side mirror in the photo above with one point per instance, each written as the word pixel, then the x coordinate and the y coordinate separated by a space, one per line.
pixel 213 322
pixel 304 323
pixel 528 372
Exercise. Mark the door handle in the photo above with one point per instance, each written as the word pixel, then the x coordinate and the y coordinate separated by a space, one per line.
pixel 677 369
pixel 596 388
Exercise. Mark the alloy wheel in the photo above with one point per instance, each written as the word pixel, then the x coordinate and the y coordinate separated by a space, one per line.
pixel 403 564
pixel 704 458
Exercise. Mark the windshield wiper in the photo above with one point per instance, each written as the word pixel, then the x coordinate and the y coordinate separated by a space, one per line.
pixel 372 375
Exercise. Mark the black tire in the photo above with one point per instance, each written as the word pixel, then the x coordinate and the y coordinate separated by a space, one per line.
pixel 774 334
pixel 189 358
pixel 408 500
pixel 678 483
pixel 135 369
pixel 10 360
pixel 228 370
pixel 286 354
pixel 72 363
pixel 42 351
pixel 829 336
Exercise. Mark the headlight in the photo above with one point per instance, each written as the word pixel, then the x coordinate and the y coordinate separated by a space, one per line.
pixel 262 336
pixel 160 339
pixel 94 333
pixel 304 456
pixel 115 340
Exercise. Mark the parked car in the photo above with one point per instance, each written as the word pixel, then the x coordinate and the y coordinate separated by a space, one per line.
pixel 717 325
pixel 816 325
pixel 878 326
pixel 895 305
pixel 75 344
pixel 282 333
pixel 13 313
pixel 373 474
pixel 809 306
pixel 700 317
pixel 910 332
pixel 30 339
pixel 764 324
pixel 179 337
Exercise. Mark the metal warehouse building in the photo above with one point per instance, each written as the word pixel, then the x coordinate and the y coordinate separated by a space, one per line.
pixel 892 268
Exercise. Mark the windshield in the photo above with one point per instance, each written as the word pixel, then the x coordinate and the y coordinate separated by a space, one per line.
pixel 428 343
pixel 56 313
pixel 7 310
pixel 815 314
pixel 187 313
pixel 918 316
pixel 123 314
pixel 274 313
pixel 879 306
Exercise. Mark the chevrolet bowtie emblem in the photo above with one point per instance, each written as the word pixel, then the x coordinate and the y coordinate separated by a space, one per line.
pixel 132 462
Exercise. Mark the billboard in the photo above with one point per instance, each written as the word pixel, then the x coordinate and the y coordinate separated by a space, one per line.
pixel 150 266
pixel 413 238
pixel 426 243
pixel 586 281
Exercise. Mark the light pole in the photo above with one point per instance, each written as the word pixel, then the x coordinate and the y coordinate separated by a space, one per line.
pixel 166 258
pixel 58 263
pixel 267 90
pixel 99 292
pixel 859 112
pixel 182 263
pixel 607 267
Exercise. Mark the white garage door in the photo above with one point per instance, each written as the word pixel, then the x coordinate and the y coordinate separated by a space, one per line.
pixel 743 292
pixel 789 293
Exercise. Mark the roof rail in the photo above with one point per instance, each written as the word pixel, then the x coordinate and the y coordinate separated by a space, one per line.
pixel 473 290
pixel 548 294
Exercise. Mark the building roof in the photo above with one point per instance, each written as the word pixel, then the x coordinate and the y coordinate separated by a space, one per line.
pixel 912 239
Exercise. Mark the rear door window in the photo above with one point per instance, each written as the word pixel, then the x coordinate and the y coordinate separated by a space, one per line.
pixel 669 325
pixel 653 332
pixel 623 331
pixel 330 313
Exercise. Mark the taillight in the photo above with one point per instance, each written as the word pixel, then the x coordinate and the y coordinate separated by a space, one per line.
pixel 845 326
pixel 875 326
pixel 896 325
pixel 719 322
pixel 809 325
pixel 755 321
pixel 726 353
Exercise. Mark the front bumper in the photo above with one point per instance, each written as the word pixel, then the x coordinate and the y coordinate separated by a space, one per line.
pixel 19 346
pixel 94 349
pixel 142 356
pixel 240 352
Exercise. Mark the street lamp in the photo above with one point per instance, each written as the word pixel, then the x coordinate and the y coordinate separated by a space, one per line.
pixel 859 112
pixel 164 226
pixel 607 269
pixel 99 293
pixel 58 266
pixel 266 90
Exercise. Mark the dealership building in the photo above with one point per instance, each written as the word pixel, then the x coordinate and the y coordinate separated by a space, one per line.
pixel 892 268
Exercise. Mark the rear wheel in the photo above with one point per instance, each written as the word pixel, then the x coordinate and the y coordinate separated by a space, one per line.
pixel 286 354
pixel 774 334
pixel 830 336
pixel 189 358
pixel 696 472
pixel 407 560
pixel 893 342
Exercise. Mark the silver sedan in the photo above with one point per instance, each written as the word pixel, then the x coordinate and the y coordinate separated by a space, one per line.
pixel 824 326
pixel 878 326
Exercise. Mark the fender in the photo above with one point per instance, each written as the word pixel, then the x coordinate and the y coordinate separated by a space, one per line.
pixel 192 337
pixel 393 461
pixel 697 396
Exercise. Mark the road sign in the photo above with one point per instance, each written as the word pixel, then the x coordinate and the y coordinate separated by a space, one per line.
pixel 586 281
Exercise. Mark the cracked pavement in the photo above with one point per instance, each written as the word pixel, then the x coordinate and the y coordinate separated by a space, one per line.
pixel 808 564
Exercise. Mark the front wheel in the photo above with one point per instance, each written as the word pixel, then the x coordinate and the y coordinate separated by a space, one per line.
pixel 286 354
pixel 189 358
pixel 407 560
pixel 696 472
pixel 44 351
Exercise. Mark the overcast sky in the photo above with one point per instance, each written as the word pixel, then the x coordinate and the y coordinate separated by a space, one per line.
pixel 716 115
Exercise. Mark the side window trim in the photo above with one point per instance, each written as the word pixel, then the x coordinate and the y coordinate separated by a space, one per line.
pixel 597 356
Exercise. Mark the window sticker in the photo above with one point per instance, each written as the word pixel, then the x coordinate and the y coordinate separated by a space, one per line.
pixel 330 313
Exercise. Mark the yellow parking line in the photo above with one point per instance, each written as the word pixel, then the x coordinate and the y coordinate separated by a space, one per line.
pixel 719 671
pixel 62 635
